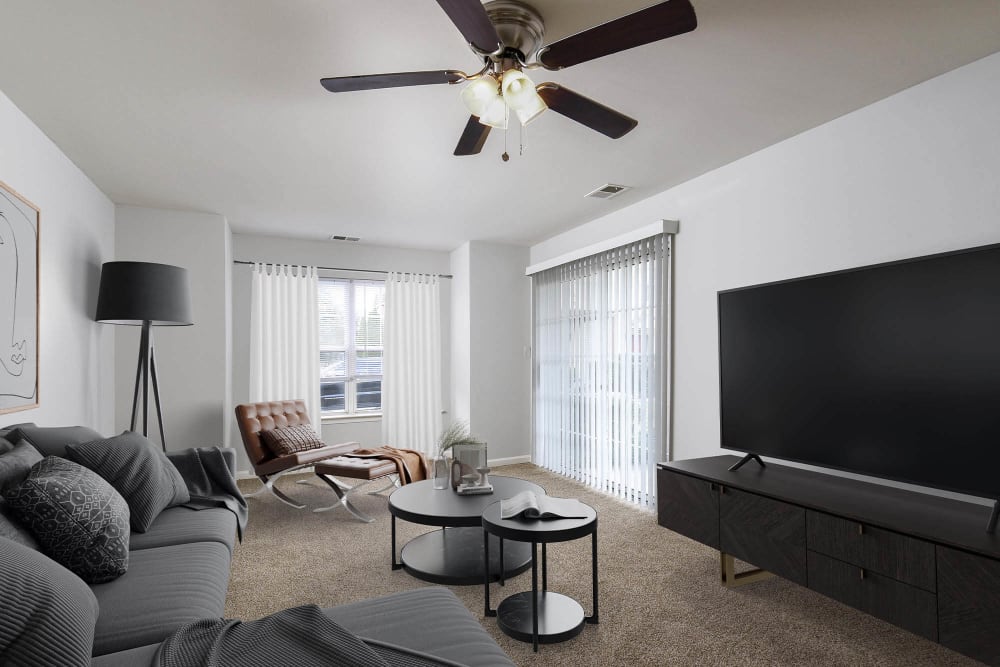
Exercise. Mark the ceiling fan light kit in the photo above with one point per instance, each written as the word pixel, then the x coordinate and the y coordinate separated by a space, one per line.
pixel 507 36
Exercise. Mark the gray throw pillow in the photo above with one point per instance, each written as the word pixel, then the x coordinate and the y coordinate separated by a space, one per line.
pixel 15 464
pixel 12 529
pixel 52 440
pixel 49 614
pixel 79 520
pixel 138 470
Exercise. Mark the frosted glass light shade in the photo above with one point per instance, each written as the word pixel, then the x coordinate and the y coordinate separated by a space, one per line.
pixel 517 88
pixel 531 110
pixel 495 114
pixel 478 95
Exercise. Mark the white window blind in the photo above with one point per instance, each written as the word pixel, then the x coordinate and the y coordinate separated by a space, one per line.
pixel 351 313
pixel 600 341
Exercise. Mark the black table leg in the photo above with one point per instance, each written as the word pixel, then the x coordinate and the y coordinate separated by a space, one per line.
pixel 486 573
pixel 593 618
pixel 534 596
pixel 395 565
pixel 503 567
pixel 545 568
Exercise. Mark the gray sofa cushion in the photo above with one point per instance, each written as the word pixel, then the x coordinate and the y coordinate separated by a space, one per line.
pixel 429 620
pixel 182 525
pixel 138 470
pixel 163 589
pixel 47 614
pixel 133 657
pixel 79 520
pixel 5 445
pixel 16 463
pixel 52 440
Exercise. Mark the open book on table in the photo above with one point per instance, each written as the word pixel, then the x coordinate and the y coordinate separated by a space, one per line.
pixel 529 505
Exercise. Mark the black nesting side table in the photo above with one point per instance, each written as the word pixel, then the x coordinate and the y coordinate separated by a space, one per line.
pixel 454 554
pixel 532 616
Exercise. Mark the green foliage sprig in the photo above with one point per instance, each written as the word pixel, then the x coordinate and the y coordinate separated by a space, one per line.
pixel 456 434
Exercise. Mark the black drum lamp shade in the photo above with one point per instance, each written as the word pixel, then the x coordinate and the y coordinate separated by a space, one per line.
pixel 137 292
pixel 146 294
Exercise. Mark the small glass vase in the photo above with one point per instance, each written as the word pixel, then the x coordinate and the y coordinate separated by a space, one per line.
pixel 441 472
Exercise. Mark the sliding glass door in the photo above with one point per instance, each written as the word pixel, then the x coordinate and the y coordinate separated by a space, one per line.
pixel 600 368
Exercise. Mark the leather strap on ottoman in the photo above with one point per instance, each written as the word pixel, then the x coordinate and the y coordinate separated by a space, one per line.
pixel 355 468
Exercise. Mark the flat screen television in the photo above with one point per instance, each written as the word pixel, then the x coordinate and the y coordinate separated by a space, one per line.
pixel 891 370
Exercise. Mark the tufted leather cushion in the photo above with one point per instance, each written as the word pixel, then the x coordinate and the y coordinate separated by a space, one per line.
pixel 253 418
pixel 355 468
pixel 291 439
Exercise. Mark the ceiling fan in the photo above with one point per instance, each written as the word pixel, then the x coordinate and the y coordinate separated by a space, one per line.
pixel 506 35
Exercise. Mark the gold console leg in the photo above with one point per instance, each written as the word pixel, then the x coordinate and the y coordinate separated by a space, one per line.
pixel 731 578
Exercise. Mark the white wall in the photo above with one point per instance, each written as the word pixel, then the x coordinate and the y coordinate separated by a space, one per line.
pixel 914 174
pixel 76 233
pixel 461 334
pixel 278 250
pixel 492 337
pixel 193 363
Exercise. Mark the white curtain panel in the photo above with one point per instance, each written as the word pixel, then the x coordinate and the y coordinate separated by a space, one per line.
pixel 284 336
pixel 411 362
pixel 600 394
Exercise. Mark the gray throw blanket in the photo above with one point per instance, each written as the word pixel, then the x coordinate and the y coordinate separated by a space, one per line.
pixel 210 474
pixel 296 637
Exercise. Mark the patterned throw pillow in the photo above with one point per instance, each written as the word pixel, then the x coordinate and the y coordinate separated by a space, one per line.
pixel 138 470
pixel 79 520
pixel 291 439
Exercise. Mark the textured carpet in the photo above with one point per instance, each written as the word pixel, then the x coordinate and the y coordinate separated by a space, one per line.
pixel 660 600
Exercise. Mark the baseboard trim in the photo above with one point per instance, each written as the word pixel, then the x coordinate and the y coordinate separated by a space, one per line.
pixel 509 461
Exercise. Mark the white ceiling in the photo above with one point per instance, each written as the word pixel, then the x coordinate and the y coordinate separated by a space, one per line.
pixel 215 105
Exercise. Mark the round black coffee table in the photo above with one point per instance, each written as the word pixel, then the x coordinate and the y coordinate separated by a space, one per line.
pixel 454 554
pixel 533 616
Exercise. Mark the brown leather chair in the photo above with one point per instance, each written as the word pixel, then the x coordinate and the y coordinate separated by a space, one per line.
pixel 256 417
pixel 253 418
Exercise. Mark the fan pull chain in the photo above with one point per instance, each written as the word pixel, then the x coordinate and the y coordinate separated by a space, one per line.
pixel 506 129
pixel 521 133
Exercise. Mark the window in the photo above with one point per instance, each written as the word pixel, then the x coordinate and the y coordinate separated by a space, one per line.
pixel 350 346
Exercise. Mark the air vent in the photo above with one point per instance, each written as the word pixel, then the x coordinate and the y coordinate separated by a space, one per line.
pixel 608 190
pixel 338 237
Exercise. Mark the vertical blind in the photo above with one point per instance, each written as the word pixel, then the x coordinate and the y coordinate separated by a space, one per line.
pixel 600 341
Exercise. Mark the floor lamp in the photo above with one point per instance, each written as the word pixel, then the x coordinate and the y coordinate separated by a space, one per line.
pixel 147 295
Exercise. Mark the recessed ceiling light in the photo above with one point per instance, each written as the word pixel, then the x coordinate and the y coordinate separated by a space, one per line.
pixel 608 190
pixel 340 237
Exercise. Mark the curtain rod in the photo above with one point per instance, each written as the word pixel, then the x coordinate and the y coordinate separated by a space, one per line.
pixel 338 268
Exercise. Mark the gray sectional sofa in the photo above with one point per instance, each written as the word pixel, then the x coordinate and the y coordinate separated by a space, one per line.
pixel 178 572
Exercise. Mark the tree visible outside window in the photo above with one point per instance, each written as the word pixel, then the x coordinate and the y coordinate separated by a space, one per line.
pixel 350 344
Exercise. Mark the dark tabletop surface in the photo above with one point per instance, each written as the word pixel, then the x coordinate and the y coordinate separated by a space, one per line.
pixel 422 499
pixel 538 530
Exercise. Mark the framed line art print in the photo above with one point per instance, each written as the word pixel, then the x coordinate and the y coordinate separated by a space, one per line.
pixel 18 302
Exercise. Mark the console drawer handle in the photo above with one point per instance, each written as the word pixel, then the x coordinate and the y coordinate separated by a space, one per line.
pixel 862 573
pixel 861 529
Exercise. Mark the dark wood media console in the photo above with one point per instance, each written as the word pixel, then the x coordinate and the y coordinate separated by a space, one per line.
pixel 921 562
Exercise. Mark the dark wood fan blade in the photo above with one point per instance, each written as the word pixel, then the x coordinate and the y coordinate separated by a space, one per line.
pixel 652 24
pixel 473 137
pixel 345 84
pixel 586 111
pixel 471 19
